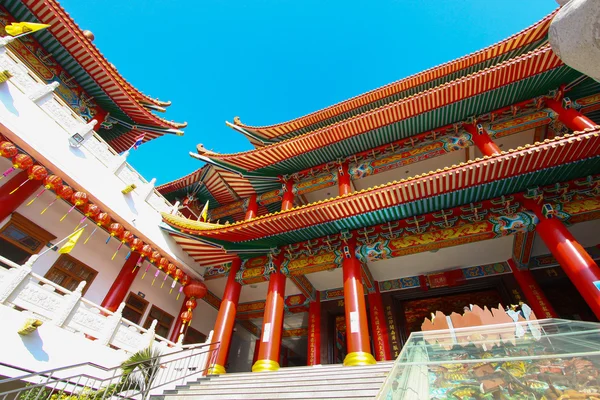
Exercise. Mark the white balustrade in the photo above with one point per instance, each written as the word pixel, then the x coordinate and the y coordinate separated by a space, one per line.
pixel 43 95
pixel 22 289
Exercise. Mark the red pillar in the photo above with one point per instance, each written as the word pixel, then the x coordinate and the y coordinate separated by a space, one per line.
pixel 572 119
pixel 536 299
pixel 288 196
pixel 314 332
pixel 572 257
pixel 10 202
pixel 357 330
pixel 226 319
pixel 270 343
pixel 482 140
pixel 344 179
pixel 120 287
pixel 378 326
pixel 252 209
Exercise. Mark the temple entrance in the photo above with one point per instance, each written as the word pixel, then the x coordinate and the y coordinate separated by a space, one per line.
pixel 413 312
pixel 339 344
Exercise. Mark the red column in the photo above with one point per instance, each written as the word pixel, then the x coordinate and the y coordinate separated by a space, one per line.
pixel 572 257
pixel 533 293
pixel 314 332
pixel 288 196
pixel 378 326
pixel 343 179
pixel 178 322
pixel 226 319
pixel 120 287
pixel 252 209
pixel 10 202
pixel 572 119
pixel 482 140
pixel 270 342
pixel 357 330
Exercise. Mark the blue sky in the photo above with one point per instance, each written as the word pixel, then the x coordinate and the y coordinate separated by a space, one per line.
pixel 269 61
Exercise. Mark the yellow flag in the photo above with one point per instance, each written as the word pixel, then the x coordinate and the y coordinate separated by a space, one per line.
pixel 19 28
pixel 71 242
pixel 204 213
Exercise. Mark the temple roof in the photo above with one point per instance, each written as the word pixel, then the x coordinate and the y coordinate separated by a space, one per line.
pixel 514 46
pixel 529 76
pixel 513 171
pixel 99 78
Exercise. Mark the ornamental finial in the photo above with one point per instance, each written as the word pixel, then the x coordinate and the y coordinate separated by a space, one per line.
pixel 237 121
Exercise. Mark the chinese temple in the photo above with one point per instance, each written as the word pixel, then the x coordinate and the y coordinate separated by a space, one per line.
pixel 473 182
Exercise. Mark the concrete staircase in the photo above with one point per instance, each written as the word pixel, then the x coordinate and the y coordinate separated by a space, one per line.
pixel 319 382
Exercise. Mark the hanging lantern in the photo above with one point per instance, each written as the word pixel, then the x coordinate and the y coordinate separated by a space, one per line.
pixel 77 199
pixel 153 258
pixel 102 219
pixel 8 150
pixel 162 264
pixel 191 303
pixel 62 191
pixel 125 237
pixel 176 277
pixel 195 289
pixel 149 253
pixel 51 182
pixel 171 268
pixel 186 317
pixel 34 173
pixel 89 211
pixel 184 281
pixel 145 251
pixel 115 229
pixel 20 161
pixel 134 244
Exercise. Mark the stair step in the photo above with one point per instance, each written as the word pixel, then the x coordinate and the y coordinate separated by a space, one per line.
pixel 287 383
pixel 291 387
pixel 313 370
pixel 288 378
pixel 334 394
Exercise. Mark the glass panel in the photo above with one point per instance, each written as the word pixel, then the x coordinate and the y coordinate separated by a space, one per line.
pixel 527 360
pixel 17 235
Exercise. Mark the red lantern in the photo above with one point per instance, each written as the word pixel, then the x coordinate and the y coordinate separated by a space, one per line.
pixel 186 317
pixel 162 264
pixel 135 244
pixel 195 289
pixel 8 150
pixel 146 250
pixel 155 256
pixel 125 237
pixel 184 281
pixel 171 268
pixel 77 199
pixel 35 172
pixel 20 161
pixel 116 229
pixel 89 211
pixel 51 182
pixel 102 219
pixel 176 277
pixel 191 304
pixel 62 191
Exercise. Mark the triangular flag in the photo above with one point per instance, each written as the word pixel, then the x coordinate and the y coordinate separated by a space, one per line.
pixel 71 242
pixel 204 213
pixel 19 28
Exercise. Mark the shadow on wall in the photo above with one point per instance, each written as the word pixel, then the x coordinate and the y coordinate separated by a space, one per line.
pixel 35 345
pixel 7 100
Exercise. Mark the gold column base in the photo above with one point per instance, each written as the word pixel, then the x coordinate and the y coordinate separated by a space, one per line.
pixel 265 366
pixel 216 369
pixel 358 358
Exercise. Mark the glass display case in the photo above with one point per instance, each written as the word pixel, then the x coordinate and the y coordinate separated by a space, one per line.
pixel 546 359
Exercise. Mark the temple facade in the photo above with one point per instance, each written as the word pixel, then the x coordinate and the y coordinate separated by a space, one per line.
pixel 474 182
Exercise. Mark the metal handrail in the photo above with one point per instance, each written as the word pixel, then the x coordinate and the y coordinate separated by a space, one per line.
pixel 115 384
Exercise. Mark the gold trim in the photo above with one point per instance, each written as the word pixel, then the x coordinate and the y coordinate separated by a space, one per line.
pixel 216 369
pixel 265 366
pixel 358 358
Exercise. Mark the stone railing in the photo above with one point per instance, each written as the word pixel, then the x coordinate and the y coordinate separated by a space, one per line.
pixel 22 289
pixel 43 95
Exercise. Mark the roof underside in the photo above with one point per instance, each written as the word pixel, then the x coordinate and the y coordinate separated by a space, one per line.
pixel 95 75
pixel 514 46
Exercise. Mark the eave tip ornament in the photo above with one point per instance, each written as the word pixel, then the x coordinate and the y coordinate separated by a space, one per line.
pixel 204 151
pixel 237 121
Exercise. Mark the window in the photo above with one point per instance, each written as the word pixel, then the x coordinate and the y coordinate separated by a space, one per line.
pixel 193 336
pixel 69 272
pixel 20 238
pixel 164 321
pixel 135 307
